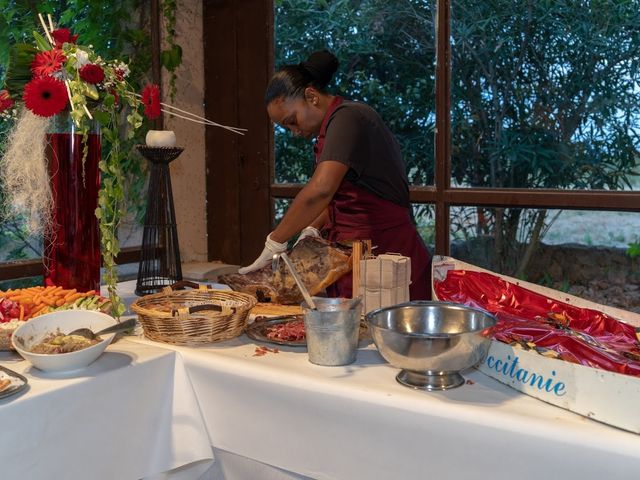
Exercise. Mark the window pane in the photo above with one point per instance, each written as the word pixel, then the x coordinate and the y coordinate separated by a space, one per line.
pixel 16 243
pixel 545 95
pixel 386 52
pixel 588 254
pixel 280 207
pixel 426 224
pixel 22 283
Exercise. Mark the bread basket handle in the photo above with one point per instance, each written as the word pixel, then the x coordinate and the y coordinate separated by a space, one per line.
pixel 200 308
pixel 182 284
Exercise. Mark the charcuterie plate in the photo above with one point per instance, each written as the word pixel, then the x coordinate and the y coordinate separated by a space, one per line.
pixel 11 382
pixel 283 330
pixel 288 330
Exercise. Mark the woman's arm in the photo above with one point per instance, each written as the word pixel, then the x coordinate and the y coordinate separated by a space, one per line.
pixel 321 220
pixel 312 200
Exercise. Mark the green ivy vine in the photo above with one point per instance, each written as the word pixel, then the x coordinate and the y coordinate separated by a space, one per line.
pixel 171 57
pixel 111 201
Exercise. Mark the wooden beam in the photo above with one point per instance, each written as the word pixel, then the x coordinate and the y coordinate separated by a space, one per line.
pixel 443 125
pixel 33 268
pixel 542 198
pixel 624 201
pixel 156 49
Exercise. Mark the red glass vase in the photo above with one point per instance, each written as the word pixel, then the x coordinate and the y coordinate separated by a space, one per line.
pixel 72 248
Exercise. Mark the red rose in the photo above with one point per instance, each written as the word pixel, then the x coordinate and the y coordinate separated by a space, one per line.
pixel 45 96
pixel 63 35
pixel 91 73
pixel 151 100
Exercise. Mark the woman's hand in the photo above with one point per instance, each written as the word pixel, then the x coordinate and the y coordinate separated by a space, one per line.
pixel 307 232
pixel 271 248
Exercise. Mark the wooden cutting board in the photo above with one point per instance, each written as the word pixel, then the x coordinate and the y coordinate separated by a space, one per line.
pixel 276 309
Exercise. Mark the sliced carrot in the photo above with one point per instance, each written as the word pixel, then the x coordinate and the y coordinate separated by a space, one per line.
pixel 73 298
pixel 49 301
pixel 70 294
pixel 23 299
pixel 40 310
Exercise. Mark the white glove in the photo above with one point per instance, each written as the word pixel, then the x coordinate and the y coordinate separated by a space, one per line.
pixel 309 231
pixel 271 247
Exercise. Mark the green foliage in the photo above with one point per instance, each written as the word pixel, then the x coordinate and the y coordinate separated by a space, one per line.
pixel 634 249
pixel 544 93
pixel 171 57
pixel 111 205
pixel 386 53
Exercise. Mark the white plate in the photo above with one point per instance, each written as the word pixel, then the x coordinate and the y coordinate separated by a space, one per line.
pixel 18 382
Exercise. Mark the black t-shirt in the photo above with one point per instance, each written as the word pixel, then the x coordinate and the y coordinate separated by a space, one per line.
pixel 357 137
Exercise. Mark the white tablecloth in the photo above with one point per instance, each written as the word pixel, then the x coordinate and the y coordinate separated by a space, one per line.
pixel 129 415
pixel 279 417
pixel 357 422
pixel 145 408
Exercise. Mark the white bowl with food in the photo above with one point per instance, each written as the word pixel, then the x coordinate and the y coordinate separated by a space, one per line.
pixel 43 342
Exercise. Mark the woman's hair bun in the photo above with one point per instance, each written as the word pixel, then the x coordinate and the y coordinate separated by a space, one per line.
pixel 321 65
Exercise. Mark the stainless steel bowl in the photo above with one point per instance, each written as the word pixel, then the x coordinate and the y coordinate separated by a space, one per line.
pixel 431 341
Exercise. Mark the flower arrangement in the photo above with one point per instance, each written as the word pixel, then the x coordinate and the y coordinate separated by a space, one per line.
pixel 60 75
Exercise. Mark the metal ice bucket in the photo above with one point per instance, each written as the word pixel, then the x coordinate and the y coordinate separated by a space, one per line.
pixel 431 341
pixel 332 330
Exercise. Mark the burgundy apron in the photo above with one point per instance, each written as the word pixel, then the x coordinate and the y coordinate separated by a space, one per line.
pixel 357 214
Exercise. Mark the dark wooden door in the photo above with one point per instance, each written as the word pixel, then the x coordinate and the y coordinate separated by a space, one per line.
pixel 238 62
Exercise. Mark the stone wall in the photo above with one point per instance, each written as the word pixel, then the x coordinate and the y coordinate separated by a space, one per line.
pixel 188 171
pixel 579 264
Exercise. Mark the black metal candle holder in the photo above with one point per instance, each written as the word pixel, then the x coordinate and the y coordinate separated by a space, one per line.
pixel 160 257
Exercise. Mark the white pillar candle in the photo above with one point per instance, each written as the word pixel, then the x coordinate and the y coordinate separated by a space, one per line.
pixel 161 138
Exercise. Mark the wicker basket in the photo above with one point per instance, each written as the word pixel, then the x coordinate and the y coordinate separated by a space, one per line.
pixel 193 317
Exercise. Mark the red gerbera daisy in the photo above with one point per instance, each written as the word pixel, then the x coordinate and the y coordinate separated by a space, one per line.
pixel 91 73
pixel 5 101
pixel 47 62
pixel 151 100
pixel 45 96
pixel 63 35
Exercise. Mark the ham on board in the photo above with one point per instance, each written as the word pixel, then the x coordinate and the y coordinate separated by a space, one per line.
pixel 318 262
